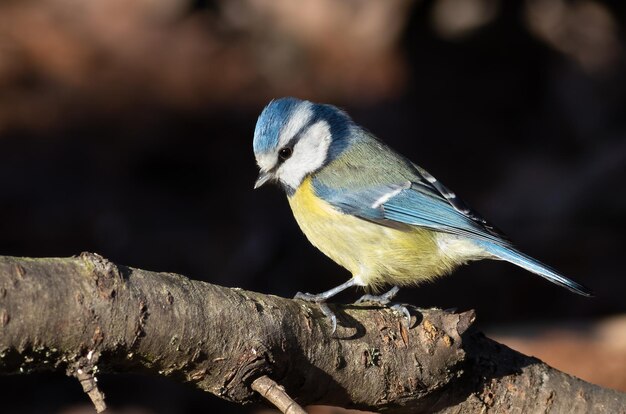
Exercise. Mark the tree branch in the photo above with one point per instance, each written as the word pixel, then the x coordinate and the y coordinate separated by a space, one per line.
pixel 61 313
pixel 277 395
pixel 84 370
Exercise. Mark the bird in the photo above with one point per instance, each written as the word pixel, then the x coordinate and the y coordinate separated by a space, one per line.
pixel 370 209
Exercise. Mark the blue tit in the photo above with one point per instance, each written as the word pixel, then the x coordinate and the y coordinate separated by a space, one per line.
pixel 368 208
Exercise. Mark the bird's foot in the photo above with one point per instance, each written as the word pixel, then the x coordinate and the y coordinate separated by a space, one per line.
pixel 320 300
pixel 309 297
pixel 385 300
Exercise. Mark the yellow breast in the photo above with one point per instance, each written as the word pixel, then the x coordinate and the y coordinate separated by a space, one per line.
pixel 373 253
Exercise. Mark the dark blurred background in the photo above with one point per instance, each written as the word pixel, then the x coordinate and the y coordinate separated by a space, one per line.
pixel 126 129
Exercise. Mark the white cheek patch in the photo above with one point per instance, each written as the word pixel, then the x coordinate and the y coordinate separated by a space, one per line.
pixel 297 121
pixel 309 155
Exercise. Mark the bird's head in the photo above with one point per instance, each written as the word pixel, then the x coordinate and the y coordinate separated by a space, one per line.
pixel 295 138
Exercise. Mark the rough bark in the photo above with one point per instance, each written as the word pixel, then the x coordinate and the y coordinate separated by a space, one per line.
pixel 87 315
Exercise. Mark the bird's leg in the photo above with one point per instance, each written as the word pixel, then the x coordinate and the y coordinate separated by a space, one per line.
pixel 320 298
pixel 385 299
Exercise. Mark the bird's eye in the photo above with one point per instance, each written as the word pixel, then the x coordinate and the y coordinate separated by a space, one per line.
pixel 284 153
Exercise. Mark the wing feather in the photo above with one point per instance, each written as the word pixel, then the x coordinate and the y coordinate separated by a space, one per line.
pixel 416 203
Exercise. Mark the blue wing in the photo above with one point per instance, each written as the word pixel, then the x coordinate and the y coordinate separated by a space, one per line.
pixel 425 202
pixel 416 203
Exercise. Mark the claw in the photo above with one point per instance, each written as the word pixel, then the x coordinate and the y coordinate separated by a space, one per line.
pixel 329 314
pixel 323 297
pixel 404 311
pixel 320 300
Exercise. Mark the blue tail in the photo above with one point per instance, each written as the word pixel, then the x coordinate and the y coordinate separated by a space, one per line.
pixel 511 255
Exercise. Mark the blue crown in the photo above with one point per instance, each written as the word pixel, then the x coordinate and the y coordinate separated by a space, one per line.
pixel 271 121
pixel 279 111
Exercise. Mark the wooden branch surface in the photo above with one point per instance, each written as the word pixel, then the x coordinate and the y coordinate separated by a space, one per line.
pixel 59 313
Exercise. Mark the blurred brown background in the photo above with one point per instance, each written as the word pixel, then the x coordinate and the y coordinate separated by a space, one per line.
pixel 126 129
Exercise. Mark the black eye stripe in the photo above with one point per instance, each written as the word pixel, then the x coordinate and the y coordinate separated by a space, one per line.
pixel 289 146
pixel 296 137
